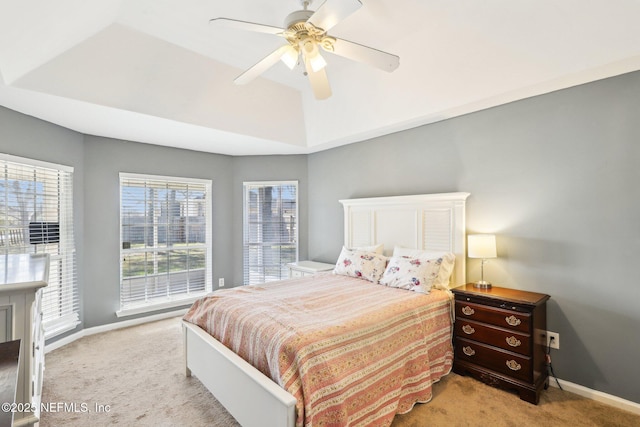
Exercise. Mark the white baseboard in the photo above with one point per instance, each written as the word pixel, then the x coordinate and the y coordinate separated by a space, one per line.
pixel 598 396
pixel 111 327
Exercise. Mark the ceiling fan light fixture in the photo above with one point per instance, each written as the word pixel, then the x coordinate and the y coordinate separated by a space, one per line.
pixel 306 33
pixel 311 54
pixel 317 63
pixel 290 57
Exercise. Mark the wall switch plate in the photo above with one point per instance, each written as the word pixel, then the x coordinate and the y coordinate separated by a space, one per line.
pixel 221 282
pixel 555 343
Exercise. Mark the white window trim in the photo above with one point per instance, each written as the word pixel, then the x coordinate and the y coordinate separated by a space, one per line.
pixel 36 163
pixel 133 309
pixel 150 177
pixel 265 184
pixel 61 325
pixel 177 300
pixel 69 321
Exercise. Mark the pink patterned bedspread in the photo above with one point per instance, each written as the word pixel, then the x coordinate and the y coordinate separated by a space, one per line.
pixel 351 352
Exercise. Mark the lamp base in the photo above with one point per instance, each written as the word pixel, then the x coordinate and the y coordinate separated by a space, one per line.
pixel 482 284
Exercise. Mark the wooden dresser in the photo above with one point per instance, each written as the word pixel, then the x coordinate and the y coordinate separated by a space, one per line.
pixel 22 278
pixel 500 338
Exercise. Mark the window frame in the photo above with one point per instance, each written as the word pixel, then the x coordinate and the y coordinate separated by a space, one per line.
pixel 66 291
pixel 172 300
pixel 245 221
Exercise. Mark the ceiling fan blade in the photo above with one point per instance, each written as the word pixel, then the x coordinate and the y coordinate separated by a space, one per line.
pixel 262 66
pixel 367 55
pixel 246 26
pixel 319 82
pixel 333 11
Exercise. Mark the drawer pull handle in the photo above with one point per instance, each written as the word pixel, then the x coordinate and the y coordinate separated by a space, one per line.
pixel 513 341
pixel 468 329
pixel 513 365
pixel 513 320
pixel 468 310
pixel 468 351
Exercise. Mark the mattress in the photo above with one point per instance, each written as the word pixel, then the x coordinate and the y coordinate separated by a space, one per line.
pixel 350 351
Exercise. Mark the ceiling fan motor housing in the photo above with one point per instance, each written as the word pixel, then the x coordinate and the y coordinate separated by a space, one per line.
pixel 299 17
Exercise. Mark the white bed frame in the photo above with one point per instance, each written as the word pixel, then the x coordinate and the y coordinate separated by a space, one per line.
pixel 434 222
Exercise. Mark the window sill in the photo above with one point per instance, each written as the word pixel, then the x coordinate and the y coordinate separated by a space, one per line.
pixel 150 307
pixel 60 326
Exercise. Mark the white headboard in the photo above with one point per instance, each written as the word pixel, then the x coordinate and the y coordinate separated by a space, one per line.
pixel 432 222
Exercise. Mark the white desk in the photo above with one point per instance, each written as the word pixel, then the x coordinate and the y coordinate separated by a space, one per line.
pixel 21 279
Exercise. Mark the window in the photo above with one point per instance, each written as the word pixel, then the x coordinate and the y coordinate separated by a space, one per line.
pixel 36 216
pixel 270 230
pixel 165 238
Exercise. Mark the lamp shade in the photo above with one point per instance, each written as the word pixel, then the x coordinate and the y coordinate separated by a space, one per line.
pixel 482 246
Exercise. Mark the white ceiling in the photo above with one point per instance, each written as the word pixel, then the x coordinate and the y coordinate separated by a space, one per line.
pixel 155 71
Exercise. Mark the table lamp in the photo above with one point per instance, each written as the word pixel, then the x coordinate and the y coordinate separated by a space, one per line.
pixel 482 246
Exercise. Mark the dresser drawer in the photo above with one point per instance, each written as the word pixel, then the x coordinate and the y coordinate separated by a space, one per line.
pixel 505 362
pixel 499 337
pixel 510 319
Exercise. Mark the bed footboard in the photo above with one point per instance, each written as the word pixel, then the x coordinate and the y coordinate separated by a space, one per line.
pixel 251 397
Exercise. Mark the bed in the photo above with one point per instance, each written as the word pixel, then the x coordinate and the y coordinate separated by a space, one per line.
pixel 352 352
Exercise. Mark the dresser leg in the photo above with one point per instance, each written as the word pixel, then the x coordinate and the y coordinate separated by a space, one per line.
pixel 530 396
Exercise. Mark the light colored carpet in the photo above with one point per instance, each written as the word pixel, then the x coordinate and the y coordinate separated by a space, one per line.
pixel 139 373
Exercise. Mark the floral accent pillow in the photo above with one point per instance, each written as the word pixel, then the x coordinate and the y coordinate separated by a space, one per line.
pixel 448 261
pixel 360 264
pixel 413 274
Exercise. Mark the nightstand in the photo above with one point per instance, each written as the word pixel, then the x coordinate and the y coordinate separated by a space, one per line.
pixel 307 268
pixel 499 338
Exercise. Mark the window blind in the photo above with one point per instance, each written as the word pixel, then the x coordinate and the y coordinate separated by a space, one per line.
pixel 36 216
pixel 165 239
pixel 270 230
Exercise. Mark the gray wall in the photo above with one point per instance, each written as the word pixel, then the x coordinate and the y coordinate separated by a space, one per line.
pixel 556 178
pixel 105 158
pixel 98 161
pixel 268 168
pixel 24 136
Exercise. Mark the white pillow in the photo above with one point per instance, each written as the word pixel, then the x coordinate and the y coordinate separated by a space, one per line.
pixel 446 265
pixel 414 274
pixel 361 264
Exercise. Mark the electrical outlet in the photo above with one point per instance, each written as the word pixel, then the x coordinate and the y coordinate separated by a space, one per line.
pixel 555 342
pixel 221 282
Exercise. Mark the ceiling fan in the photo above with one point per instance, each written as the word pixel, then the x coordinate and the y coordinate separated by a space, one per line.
pixel 305 32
